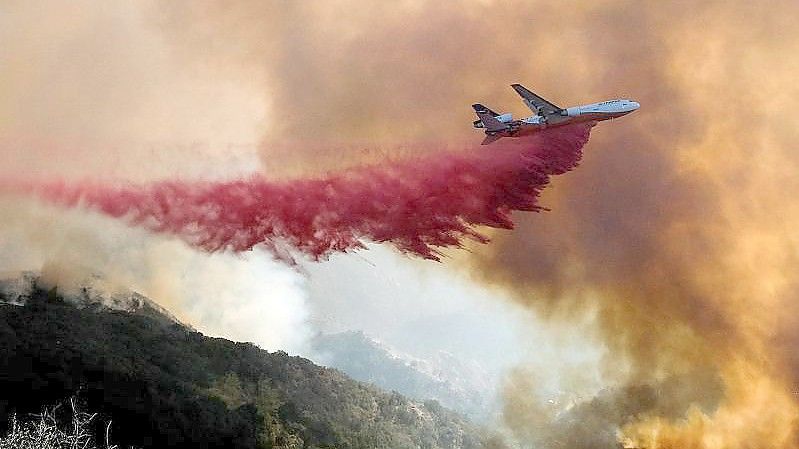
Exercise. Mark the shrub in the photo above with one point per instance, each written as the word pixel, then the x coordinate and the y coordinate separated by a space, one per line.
pixel 44 431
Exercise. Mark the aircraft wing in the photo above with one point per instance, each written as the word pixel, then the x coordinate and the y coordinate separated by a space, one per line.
pixel 534 102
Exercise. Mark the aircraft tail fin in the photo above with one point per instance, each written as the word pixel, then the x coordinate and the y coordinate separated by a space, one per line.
pixel 484 108
pixel 488 117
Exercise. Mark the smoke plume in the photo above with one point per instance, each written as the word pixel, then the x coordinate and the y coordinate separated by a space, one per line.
pixel 674 239
pixel 674 246
pixel 246 297
pixel 677 237
pixel 92 91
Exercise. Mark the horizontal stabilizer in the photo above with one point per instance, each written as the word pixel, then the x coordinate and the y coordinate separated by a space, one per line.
pixel 490 121
pixel 490 139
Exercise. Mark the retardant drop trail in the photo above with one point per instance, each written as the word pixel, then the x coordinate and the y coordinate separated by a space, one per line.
pixel 419 205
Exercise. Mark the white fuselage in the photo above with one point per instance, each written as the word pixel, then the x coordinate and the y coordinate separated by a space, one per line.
pixel 601 111
pixel 594 112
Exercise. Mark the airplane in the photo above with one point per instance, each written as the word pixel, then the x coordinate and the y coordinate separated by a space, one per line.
pixel 547 115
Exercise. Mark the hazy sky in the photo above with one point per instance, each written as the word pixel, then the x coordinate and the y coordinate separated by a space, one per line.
pixel 118 91
pixel 671 252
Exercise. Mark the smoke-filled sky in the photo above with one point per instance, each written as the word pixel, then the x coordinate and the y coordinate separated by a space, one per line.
pixel 671 250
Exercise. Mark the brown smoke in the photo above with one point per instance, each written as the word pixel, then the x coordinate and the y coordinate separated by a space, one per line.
pixel 91 89
pixel 370 77
pixel 678 232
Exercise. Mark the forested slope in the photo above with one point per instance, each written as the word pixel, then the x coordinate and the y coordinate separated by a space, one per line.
pixel 164 384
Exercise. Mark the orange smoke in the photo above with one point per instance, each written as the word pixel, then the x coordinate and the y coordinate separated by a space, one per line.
pixel 678 235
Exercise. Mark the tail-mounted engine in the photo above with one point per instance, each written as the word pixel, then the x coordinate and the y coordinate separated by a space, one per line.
pixel 505 118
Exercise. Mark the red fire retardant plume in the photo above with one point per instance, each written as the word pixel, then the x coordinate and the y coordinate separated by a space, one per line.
pixel 419 205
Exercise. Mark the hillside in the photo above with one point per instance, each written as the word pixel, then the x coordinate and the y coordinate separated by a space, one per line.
pixel 445 378
pixel 166 385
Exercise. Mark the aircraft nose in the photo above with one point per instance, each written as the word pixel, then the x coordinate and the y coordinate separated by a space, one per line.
pixel 635 105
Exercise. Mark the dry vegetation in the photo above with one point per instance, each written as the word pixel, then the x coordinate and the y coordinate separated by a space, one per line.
pixel 44 431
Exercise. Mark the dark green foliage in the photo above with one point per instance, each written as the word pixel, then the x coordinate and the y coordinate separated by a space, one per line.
pixel 174 387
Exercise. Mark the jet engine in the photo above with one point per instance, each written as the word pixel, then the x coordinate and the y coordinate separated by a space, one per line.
pixel 505 118
pixel 573 111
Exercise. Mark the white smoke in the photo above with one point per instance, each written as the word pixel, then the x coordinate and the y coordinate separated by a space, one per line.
pixel 242 297
pixel 93 90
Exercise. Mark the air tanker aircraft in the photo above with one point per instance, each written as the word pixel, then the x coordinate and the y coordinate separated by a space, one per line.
pixel 546 115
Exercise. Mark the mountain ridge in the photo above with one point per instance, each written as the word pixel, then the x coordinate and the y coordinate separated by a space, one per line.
pixel 443 378
pixel 165 384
